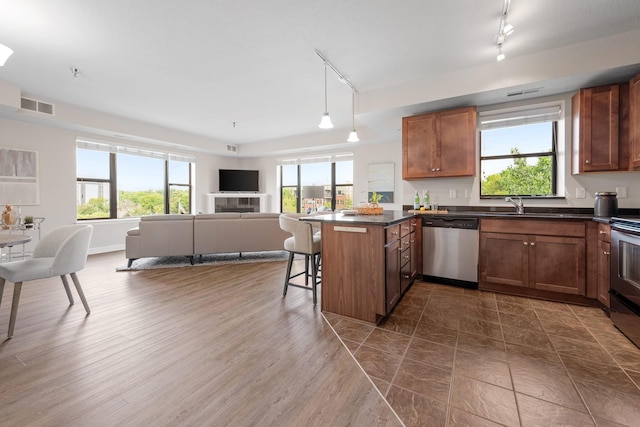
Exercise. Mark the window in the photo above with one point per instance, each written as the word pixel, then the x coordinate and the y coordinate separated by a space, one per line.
pixel 316 184
pixel 121 182
pixel 518 152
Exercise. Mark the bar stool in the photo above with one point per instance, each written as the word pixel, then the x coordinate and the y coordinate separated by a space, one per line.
pixel 303 242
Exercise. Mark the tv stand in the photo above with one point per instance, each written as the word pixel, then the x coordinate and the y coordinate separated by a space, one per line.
pixel 236 202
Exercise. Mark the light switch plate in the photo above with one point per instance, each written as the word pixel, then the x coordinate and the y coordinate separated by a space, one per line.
pixel 581 193
pixel 453 194
pixel 622 192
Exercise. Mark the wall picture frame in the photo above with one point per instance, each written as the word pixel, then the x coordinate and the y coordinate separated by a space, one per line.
pixel 380 179
pixel 19 180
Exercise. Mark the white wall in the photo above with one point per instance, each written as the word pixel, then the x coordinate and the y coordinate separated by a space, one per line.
pixel 467 189
pixel 56 148
pixel 57 176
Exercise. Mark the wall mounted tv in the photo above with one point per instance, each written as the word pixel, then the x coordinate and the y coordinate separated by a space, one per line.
pixel 238 180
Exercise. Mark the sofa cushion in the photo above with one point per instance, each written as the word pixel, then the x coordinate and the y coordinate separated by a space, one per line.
pixel 213 216
pixel 167 217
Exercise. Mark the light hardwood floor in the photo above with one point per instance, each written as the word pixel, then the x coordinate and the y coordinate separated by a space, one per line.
pixel 195 346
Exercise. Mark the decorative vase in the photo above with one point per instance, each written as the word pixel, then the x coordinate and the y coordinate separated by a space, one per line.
pixel 9 217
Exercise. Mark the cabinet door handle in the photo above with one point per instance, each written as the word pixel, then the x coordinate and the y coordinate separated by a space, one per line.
pixel 588 162
pixel 412 241
pixel 606 253
pixel 601 231
pixel 395 233
pixel 406 257
pixel 406 276
pixel 533 243
pixel 525 243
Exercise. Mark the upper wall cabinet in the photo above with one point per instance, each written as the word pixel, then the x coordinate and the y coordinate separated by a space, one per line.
pixel 601 131
pixel 634 122
pixel 440 144
pixel 595 130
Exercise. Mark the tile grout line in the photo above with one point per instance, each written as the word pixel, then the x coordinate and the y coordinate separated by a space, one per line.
pixel 582 399
pixel 361 368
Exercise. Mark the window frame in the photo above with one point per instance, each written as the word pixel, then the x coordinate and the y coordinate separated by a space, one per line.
pixel 298 186
pixel 526 115
pixel 113 176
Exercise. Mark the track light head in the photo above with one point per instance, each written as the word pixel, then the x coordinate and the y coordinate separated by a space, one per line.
pixel 325 122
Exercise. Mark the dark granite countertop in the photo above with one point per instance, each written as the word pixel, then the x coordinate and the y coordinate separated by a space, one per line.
pixel 387 218
pixel 531 213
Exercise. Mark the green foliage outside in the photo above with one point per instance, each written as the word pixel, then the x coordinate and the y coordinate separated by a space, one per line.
pixel 289 200
pixel 521 179
pixel 135 204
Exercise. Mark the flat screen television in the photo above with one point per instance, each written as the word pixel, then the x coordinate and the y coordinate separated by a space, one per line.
pixel 238 180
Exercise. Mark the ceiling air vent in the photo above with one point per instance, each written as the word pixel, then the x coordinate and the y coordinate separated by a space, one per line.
pixel 232 148
pixel 37 106
pixel 524 91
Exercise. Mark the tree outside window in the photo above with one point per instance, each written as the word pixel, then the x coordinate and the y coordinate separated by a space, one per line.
pixel 519 160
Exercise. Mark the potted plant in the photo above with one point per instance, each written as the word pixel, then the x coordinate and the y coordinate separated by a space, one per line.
pixel 372 208
pixel 28 221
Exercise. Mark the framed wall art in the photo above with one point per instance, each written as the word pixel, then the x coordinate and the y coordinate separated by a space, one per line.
pixel 19 177
pixel 381 180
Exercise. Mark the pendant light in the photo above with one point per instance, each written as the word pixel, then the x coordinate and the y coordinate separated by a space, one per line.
pixel 5 53
pixel 325 122
pixel 353 135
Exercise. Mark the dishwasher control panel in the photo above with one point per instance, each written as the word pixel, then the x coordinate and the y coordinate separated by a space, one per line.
pixel 451 222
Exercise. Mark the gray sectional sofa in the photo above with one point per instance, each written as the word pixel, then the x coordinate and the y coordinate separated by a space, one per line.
pixel 191 235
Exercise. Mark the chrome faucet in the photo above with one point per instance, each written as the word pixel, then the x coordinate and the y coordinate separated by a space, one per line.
pixel 518 204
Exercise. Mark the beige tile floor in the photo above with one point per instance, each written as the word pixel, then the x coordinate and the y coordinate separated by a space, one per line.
pixel 449 356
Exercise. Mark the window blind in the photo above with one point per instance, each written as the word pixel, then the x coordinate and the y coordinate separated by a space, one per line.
pixel 519 116
pixel 135 151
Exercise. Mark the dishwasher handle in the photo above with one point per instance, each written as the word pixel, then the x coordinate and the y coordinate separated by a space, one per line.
pixel 444 222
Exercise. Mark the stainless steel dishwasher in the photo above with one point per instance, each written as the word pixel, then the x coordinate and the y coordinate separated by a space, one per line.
pixel 450 250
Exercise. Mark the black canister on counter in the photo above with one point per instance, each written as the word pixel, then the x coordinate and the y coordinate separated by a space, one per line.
pixel 606 204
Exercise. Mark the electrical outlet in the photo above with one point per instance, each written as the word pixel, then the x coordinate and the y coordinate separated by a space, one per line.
pixel 581 193
pixel 622 192
pixel 467 194
pixel 453 194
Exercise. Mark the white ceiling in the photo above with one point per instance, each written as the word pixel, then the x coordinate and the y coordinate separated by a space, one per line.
pixel 201 66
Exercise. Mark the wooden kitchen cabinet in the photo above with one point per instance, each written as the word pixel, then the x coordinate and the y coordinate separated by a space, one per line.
pixel 410 261
pixel 439 144
pixel 532 257
pixel 595 129
pixel 634 122
pixel 392 285
pixel 604 263
pixel 361 274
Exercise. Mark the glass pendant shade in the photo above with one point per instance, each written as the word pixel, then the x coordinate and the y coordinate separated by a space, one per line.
pixel 325 122
pixel 5 53
pixel 353 136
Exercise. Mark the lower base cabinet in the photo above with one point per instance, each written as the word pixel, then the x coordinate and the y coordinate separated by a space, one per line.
pixel 604 263
pixel 364 269
pixel 532 256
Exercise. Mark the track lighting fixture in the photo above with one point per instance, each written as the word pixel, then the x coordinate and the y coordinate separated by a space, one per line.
pixel 325 122
pixel 5 53
pixel 353 135
pixel 504 30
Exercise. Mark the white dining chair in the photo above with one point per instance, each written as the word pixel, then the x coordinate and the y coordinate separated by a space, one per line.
pixel 60 252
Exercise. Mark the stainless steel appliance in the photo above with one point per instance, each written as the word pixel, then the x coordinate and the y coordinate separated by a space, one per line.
pixel 625 276
pixel 450 250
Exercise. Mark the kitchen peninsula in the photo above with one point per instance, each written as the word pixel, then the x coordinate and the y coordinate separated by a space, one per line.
pixel 368 262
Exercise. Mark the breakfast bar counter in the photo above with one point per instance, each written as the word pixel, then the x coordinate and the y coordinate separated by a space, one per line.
pixel 368 262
